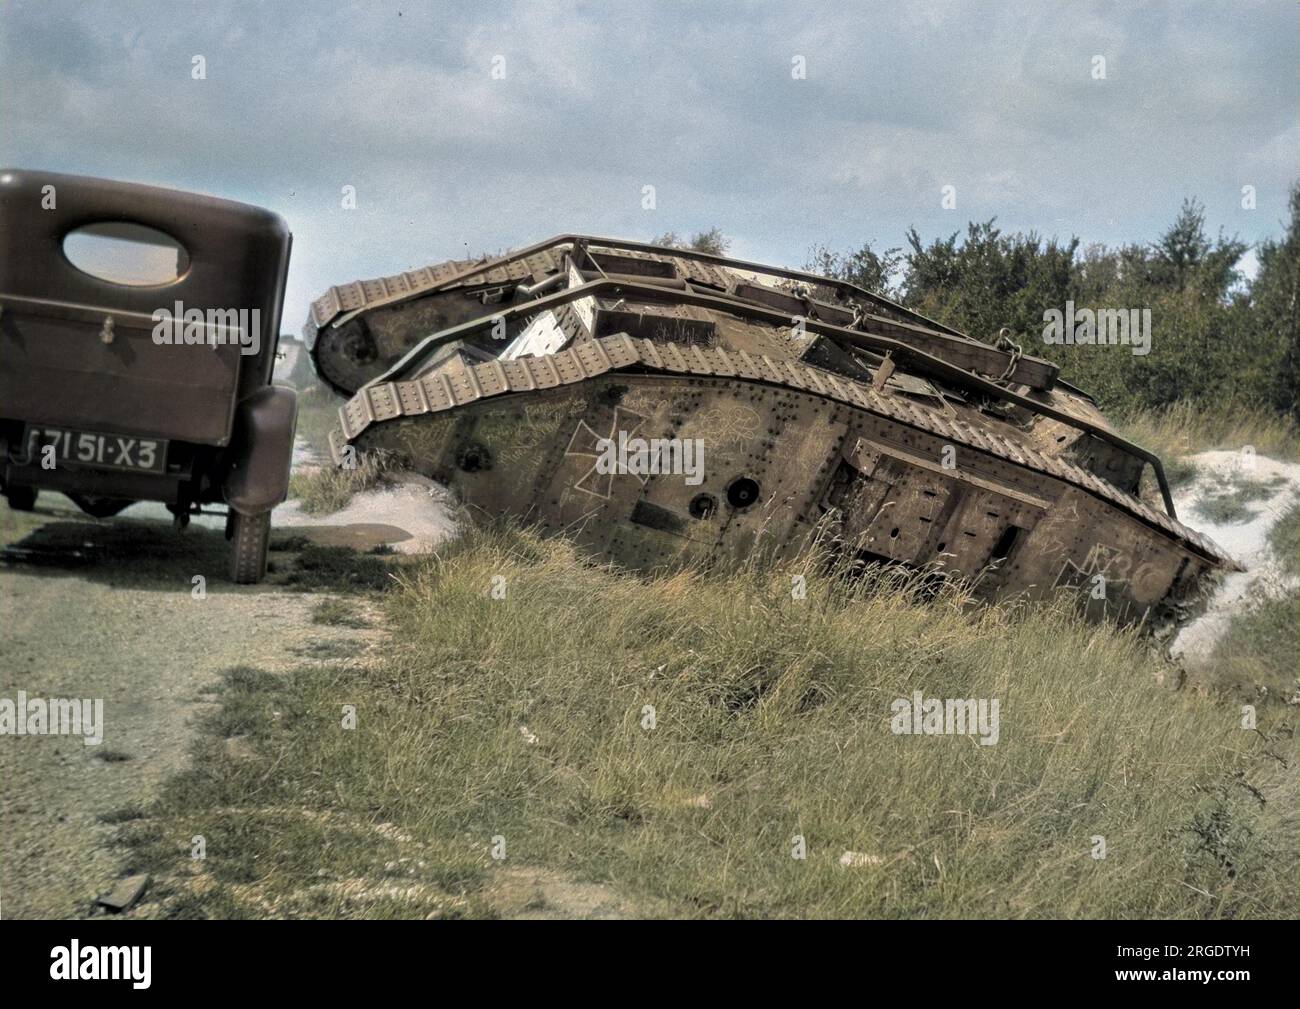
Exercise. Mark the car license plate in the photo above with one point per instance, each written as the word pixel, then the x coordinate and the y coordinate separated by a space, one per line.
pixel 95 450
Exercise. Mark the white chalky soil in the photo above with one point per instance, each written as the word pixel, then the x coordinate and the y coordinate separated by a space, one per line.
pixel 1246 541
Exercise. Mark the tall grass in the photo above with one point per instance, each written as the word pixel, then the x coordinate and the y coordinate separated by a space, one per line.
pixel 1186 428
pixel 327 489
pixel 679 738
pixel 318 414
pixel 1259 653
pixel 1284 539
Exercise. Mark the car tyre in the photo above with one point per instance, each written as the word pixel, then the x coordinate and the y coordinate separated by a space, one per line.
pixel 250 536
pixel 21 499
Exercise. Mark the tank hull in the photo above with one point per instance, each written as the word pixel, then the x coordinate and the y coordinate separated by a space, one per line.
pixel 763 462
pixel 664 407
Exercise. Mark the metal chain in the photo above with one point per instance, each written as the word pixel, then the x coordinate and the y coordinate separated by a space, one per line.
pixel 1005 343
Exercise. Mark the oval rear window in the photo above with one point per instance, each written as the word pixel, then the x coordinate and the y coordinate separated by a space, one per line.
pixel 125 253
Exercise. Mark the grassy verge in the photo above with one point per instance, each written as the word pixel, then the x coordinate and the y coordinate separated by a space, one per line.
pixel 674 742
pixel 326 489
pixel 1259 654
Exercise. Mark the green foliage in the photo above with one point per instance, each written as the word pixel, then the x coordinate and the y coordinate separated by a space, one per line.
pixel 1275 298
pixel 990 280
pixel 1184 257
pixel 712 241
pixel 866 268
pixel 1215 339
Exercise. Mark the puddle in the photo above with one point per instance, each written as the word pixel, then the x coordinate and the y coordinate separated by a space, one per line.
pixel 415 507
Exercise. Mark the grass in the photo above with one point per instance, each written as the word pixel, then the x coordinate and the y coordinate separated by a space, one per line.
pixel 1179 470
pixel 1185 429
pixel 321 648
pixel 340 569
pixel 1259 652
pixel 318 414
pixel 328 489
pixel 1257 655
pixel 1284 539
pixel 325 489
pixel 123 814
pixel 525 721
pixel 1225 503
pixel 334 612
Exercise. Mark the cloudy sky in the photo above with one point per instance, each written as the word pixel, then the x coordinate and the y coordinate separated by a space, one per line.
pixel 475 127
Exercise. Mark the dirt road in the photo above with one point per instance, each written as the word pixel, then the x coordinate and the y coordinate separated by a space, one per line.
pixel 108 611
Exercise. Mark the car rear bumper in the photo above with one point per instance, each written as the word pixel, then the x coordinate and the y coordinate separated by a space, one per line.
pixel 251 474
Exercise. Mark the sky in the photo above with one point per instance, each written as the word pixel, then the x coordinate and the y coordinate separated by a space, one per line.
pixel 472 128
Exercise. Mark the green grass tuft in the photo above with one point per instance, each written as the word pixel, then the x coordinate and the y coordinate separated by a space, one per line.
pixel 1179 470
pixel 335 612
pixel 1225 503
pixel 329 489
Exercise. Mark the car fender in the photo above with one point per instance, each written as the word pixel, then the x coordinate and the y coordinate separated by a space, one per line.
pixel 261 450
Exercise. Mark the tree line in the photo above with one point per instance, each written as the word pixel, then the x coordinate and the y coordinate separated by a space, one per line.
pixel 1217 339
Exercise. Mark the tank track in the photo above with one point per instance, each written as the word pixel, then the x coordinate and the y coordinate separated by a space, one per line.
pixel 357 331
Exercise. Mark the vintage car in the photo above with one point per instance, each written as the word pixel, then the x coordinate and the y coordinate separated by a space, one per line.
pixel 138 332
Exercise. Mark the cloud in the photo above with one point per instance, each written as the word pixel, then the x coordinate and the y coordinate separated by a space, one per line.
pixel 398 99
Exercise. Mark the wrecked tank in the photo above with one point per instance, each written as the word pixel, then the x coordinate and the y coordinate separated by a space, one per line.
pixel 663 406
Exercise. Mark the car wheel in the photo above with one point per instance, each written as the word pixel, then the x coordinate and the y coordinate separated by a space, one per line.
pixel 21 499
pixel 249 535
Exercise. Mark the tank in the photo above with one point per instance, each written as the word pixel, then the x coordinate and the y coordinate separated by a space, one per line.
pixel 664 407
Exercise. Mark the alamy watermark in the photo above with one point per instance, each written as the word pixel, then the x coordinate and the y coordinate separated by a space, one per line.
pixel 652 457
pixel 1125 327
pixel 216 327
pixel 75 962
pixel 54 716
pixel 931 716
